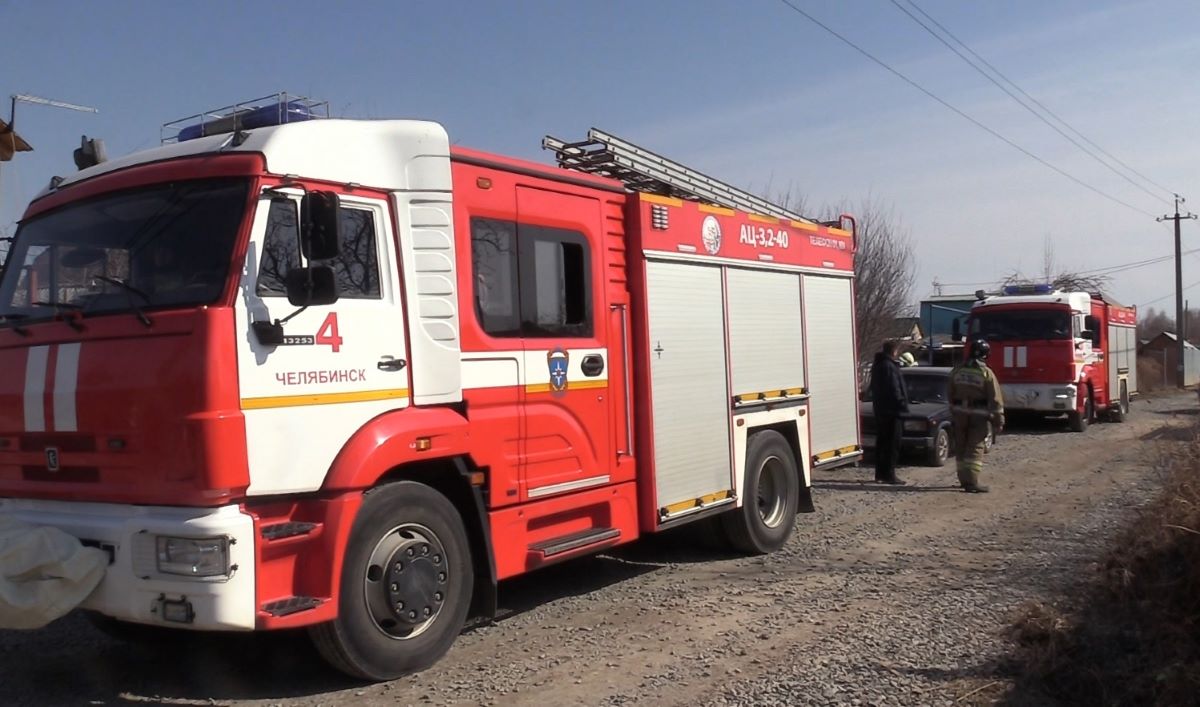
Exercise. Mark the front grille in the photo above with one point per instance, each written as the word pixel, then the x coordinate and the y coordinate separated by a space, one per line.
pixel 67 474
pixel 37 442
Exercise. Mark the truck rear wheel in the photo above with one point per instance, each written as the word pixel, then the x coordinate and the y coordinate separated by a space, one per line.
pixel 1120 411
pixel 770 496
pixel 405 586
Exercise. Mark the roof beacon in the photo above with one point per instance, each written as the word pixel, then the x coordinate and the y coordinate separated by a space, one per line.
pixel 275 109
pixel 1042 289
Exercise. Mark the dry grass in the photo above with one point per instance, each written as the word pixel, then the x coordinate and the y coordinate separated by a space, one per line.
pixel 1137 638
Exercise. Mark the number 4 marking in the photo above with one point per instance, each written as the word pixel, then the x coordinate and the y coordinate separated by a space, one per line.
pixel 328 333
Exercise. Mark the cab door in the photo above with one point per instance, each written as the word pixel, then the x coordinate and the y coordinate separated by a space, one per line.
pixel 565 413
pixel 335 367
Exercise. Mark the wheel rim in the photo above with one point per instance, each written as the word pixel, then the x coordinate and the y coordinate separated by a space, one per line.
pixel 772 491
pixel 406 581
pixel 943 445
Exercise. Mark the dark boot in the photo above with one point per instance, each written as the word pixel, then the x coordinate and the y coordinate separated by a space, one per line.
pixel 975 489
pixel 894 482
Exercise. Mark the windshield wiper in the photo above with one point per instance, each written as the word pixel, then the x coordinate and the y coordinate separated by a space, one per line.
pixel 130 291
pixel 14 318
pixel 71 312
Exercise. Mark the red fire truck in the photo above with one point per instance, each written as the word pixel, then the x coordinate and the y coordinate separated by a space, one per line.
pixel 337 374
pixel 1060 352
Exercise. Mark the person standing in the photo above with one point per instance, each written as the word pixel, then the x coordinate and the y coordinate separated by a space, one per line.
pixel 975 400
pixel 889 400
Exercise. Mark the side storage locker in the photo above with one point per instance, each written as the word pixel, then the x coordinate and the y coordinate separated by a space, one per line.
pixel 832 380
pixel 689 385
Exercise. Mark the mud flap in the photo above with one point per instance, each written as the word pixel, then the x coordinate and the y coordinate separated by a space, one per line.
pixel 805 502
pixel 44 573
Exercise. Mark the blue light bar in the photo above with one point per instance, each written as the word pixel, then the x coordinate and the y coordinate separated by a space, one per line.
pixel 1042 289
pixel 263 116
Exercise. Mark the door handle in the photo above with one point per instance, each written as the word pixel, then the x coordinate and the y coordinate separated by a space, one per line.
pixel 389 363
pixel 592 365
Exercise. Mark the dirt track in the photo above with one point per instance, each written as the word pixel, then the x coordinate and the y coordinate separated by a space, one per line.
pixel 884 596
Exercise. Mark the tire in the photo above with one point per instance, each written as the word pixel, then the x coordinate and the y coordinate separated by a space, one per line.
pixel 1078 422
pixel 772 492
pixel 940 451
pixel 380 632
pixel 1120 412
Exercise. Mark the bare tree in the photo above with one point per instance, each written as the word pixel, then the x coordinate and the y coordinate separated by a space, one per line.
pixel 884 270
pixel 1058 277
pixel 1154 322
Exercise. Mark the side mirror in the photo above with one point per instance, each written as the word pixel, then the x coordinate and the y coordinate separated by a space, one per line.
pixel 313 286
pixel 1091 336
pixel 320 230
pixel 1091 323
pixel 956 330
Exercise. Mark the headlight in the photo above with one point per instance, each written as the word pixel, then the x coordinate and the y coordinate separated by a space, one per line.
pixel 915 425
pixel 193 557
pixel 1064 394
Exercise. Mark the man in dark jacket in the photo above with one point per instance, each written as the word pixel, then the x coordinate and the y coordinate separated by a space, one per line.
pixel 889 398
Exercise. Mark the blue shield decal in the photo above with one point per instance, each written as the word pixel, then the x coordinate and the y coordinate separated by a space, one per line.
pixel 558 362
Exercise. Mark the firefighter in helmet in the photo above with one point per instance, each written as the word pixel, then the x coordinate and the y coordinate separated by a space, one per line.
pixel 975 400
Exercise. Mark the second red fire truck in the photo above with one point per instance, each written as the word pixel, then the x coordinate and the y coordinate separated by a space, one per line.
pixel 1056 353
pixel 294 372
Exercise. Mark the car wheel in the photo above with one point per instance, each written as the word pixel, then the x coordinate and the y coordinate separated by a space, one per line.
pixel 940 451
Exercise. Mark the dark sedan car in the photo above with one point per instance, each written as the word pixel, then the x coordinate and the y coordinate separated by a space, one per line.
pixel 927 423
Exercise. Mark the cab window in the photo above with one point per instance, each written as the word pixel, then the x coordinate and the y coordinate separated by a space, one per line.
pixel 356 267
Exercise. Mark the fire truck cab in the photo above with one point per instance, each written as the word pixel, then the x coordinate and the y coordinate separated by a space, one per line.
pixel 1055 352
pixel 338 374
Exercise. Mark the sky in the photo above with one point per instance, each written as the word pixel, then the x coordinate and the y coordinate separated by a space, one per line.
pixel 748 91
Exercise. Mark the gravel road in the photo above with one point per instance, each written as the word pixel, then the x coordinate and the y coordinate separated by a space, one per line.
pixel 885 596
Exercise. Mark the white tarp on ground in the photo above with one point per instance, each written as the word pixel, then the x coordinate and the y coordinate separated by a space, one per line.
pixel 44 573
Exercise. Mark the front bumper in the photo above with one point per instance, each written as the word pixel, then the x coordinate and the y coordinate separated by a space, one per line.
pixel 133 589
pixel 908 442
pixel 1040 397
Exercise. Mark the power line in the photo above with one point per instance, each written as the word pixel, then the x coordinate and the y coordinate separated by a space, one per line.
pixel 1016 98
pixel 1169 294
pixel 1106 270
pixel 962 114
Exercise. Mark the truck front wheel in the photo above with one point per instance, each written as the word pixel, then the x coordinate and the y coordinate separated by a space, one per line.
pixel 1078 421
pixel 770 496
pixel 405 586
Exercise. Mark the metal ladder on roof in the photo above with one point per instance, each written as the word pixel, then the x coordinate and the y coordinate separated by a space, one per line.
pixel 644 171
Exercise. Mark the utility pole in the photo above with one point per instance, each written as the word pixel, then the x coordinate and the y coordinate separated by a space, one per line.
pixel 1179 340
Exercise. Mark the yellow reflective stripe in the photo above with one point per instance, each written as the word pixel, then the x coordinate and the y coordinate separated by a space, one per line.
pixel 763 219
pixel 696 502
pixel 710 209
pixel 836 452
pixel 572 385
pixel 287 401
pixel 839 232
pixel 764 395
pixel 664 200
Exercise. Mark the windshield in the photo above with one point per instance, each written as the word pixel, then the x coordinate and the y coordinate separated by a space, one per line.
pixel 926 388
pixel 168 245
pixel 1022 324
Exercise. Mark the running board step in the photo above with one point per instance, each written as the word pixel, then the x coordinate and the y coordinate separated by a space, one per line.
pixel 290 529
pixel 291 605
pixel 575 541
